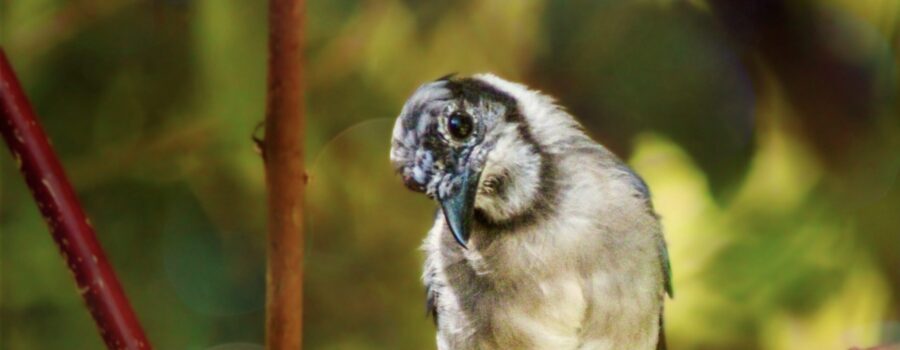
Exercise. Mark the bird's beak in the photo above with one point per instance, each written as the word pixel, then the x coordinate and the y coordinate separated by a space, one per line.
pixel 459 206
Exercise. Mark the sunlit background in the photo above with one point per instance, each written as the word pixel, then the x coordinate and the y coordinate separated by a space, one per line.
pixel 768 131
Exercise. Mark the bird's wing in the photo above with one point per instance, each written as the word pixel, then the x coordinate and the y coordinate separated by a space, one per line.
pixel 643 191
pixel 667 268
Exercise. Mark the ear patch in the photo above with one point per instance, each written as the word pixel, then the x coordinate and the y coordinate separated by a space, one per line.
pixel 494 184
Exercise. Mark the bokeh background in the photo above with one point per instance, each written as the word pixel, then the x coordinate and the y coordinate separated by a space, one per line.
pixel 768 131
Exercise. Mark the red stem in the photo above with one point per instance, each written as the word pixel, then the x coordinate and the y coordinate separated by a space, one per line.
pixel 70 227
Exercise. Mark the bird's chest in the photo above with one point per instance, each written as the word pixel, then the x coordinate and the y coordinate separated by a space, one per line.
pixel 487 305
pixel 496 310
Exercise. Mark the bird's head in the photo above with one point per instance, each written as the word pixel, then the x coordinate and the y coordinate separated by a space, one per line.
pixel 464 143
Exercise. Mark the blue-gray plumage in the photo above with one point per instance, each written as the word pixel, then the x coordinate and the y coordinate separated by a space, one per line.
pixel 544 239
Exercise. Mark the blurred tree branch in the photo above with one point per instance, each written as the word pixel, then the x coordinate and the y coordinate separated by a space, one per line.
pixel 839 101
pixel 70 227
pixel 836 97
pixel 283 154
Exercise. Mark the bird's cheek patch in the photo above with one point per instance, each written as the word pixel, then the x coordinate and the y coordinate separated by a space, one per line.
pixel 493 185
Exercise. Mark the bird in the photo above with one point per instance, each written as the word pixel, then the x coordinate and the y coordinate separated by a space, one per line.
pixel 544 239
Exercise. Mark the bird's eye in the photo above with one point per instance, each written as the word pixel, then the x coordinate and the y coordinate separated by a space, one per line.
pixel 460 125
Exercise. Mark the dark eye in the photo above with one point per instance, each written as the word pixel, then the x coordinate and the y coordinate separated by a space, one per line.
pixel 460 125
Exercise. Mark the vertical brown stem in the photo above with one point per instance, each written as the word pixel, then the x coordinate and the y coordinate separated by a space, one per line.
pixel 283 150
pixel 68 224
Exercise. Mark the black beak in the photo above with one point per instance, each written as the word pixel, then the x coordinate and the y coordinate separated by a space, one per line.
pixel 459 206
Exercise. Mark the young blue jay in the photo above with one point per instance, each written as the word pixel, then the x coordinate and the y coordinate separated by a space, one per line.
pixel 545 239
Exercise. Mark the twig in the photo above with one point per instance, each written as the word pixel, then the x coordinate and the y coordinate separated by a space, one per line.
pixel 283 150
pixel 68 224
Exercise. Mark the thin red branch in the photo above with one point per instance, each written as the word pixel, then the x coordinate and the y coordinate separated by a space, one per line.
pixel 68 224
pixel 283 151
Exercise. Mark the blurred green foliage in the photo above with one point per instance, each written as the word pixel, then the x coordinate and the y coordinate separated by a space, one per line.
pixel 768 131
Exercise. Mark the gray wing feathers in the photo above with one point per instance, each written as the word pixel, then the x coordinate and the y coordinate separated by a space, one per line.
pixel 644 192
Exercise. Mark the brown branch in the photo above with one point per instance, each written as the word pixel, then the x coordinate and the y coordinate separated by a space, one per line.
pixel 68 223
pixel 283 150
